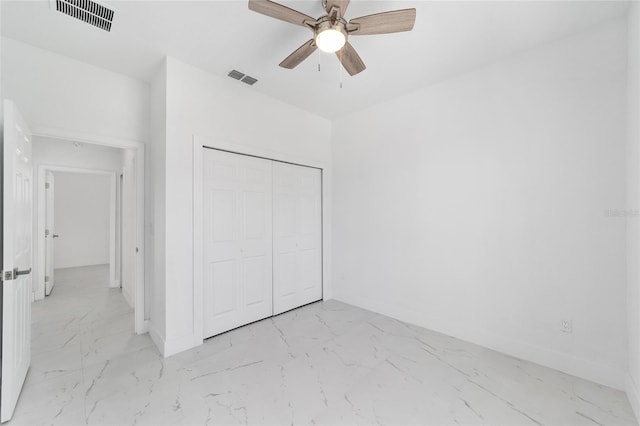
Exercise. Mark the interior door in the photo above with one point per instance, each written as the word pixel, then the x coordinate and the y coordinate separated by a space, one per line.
pixel 49 233
pixel 297 240
pixel 237 240
pixel 16 259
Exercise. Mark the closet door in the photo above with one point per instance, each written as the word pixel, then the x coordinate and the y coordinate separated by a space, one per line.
pixel 297 236
pixel 237 242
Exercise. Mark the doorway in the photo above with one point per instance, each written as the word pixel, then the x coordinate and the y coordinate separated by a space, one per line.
pixel 112 237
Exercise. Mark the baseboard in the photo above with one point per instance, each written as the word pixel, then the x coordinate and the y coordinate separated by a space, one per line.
pixel 144 328
pixel 566 363
pixel 168 347
pixel 156 337
pixel 633 396
pixel 180 344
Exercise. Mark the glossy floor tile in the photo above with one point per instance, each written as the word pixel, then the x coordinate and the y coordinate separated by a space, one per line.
pixel 326 363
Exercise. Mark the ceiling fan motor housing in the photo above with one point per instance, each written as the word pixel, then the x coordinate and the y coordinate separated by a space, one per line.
pixel 327 24
pixel 330 32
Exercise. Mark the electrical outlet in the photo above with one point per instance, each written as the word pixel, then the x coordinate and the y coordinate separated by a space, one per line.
pixel 566 326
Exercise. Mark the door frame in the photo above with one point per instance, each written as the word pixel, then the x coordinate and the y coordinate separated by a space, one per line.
pixel 41 218
pixel 138 148
pixel 200 143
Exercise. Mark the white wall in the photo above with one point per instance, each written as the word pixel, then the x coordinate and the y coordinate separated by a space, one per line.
pixel 633 204
pixel 155 197
pixel 82 214
pixel 476 207
pixel 220 109
pixel 56 91
pixel 1 89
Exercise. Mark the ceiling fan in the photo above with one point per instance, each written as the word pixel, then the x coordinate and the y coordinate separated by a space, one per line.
pixel 331 31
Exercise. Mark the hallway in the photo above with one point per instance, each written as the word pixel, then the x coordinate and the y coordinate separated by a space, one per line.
pixel 81 327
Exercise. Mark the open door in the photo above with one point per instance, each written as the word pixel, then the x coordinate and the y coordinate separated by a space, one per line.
pixel 16 259
pixel 49 233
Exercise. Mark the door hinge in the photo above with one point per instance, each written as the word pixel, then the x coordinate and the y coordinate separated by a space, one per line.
pixel 46 185
pixel 46 278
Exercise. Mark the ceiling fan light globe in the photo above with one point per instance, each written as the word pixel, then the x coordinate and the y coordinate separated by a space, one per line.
pixel 330 40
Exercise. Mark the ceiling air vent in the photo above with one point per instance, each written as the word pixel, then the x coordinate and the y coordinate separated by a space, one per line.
pixel 249 80
pixel 87 11
pixel 237 75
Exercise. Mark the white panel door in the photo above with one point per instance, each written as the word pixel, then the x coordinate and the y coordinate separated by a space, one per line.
pixel 297 236
pixel 16 259
pixel 49 234
pixel 237 240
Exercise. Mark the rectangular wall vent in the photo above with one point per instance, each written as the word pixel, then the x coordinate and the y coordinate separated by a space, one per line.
pixel 87 11
pixel 237 75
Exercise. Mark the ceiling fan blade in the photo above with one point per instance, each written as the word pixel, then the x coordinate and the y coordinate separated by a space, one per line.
pixel 278 11
pixel 340 4
pixel 300 54
pixel 350 59
pixel 394 21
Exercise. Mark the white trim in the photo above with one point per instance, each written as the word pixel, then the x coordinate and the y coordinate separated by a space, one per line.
pixel 139 286
pixel 268 154
pixel 112 230
pixel 72 136
pixel 197 146
pixel 198 227
pixel 139 159
pixel 156 337
pixel 118 280
pixel 633 395
pixel 600 373
pixel 181 343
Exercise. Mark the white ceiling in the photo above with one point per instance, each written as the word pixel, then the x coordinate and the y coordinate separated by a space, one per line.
pixel 450 37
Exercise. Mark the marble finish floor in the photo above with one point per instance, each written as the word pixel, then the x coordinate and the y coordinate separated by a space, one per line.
pixel 325 364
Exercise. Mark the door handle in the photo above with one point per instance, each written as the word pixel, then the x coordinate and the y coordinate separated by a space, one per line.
pixel 55 235
pixel 17 272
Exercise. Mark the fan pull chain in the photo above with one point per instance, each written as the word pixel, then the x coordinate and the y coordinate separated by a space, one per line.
pixel 340 69
pixel 339 55
pixel 318 59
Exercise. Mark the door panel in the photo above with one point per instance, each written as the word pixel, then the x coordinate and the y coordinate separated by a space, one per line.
pixel 297 240
pixel 237 240
pixel 223 208
pixel 222 297
pixel 17 256
pixel 254 269
pixel 254 225
pixel 286 275
pixel 309 260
